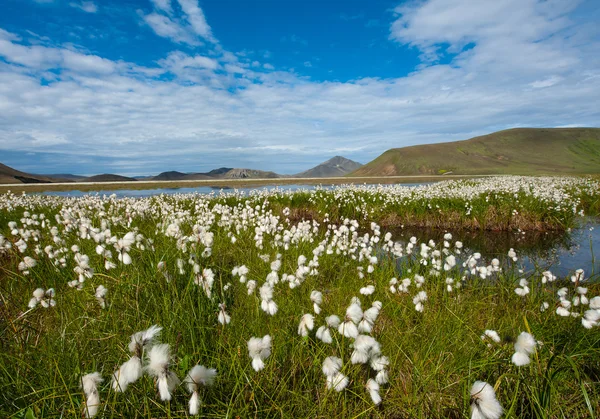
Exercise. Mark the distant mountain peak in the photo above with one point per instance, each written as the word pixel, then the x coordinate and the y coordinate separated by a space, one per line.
pixel 334 167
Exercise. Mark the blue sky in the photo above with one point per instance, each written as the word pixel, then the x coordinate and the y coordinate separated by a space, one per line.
pixel 137 87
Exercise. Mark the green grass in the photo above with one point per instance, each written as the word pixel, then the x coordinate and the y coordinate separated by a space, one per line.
pixel 435 356
pixel 519 151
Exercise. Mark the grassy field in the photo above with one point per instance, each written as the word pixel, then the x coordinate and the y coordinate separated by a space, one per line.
pixel 520 151
pixel 178 258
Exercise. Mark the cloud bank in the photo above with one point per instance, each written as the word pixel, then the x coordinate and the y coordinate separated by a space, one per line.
pixel 485 66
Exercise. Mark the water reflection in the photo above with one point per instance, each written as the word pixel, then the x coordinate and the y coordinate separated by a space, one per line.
pixel 561 253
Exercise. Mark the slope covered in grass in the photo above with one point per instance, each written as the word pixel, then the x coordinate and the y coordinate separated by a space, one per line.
pixel 525 151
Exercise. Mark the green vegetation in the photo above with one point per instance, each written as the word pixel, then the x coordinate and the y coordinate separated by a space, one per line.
pixel 435 350
pixel 519 151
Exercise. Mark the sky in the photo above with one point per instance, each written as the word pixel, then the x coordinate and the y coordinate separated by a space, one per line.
pixel 138 87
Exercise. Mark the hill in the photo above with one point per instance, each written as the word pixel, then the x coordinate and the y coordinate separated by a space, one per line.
pixel 65 177
pixel 248 174
pixel 522 151
pixel 336 166
pixel 108 178
pixel 10 175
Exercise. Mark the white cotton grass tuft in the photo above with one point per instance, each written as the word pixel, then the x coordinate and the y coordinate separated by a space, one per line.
pixel 317 298
pixel 524 346
pixel 373 389
pixel 590 318
pixel 354 315
pixel 337 381
pixel 89 384
pixel 100 295
pixel 490 335
pixel 43 298
pixel 307 323
pixel 131 370
pixel 484 404
pixel 324 332
pixel 331 365
pixel 259 349
pixel 223 317
pixel 158 366
pixel 199 374
pixel 368 290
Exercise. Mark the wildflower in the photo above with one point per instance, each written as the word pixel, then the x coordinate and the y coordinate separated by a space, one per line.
pixel 324 332
pixel 89 384
pixel 337 381
pixel 27 264
pixel 223 317
pixel 418 301
pixel 578 276
pixel 373 389
pixel 484 404
pixel 524 290
pixel 131 370
pixel 123 246
pixel 368 319
pixel 199 374
pixel 44 298
pixel 158 367
pixel 101 292
pixel 365 347
pixel 524 346
pixel 491 334
pixel 306 324
pixel 353 316
pixel 595 303
pixel 206 280
pixel 259 349
pixel 251 286
pixel 590 318
pixel 317 298
pixel 267 304
pixel 368 290
pixel 331 365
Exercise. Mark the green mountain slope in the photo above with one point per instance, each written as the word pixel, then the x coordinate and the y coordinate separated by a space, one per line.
pixel 523 151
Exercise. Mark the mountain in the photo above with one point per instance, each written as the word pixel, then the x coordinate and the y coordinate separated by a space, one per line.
pixel 334 167
pixel 65 177
pixel 10 175
pixel 106 177
pixel 248 174
pixel 519 151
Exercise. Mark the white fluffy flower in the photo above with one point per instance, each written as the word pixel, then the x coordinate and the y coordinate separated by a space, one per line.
pixel 158 366
pixel 306 324
pixel 199 374
pixel 524 346
pixel 259 349
pixel 484 404
pixel 89 384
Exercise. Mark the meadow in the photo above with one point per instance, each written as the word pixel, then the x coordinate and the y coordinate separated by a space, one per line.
pixel 295 304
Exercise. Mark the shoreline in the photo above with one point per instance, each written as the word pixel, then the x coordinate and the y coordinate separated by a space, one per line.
pixel 229 183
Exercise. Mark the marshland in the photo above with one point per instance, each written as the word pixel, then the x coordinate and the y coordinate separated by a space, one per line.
pixel 351 301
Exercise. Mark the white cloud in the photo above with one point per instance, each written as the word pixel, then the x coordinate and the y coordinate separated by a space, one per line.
pixel 86 6
pixel 163 26
pixel 550 81
pixel 163 5
pixel 195 16
pixel 187 28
